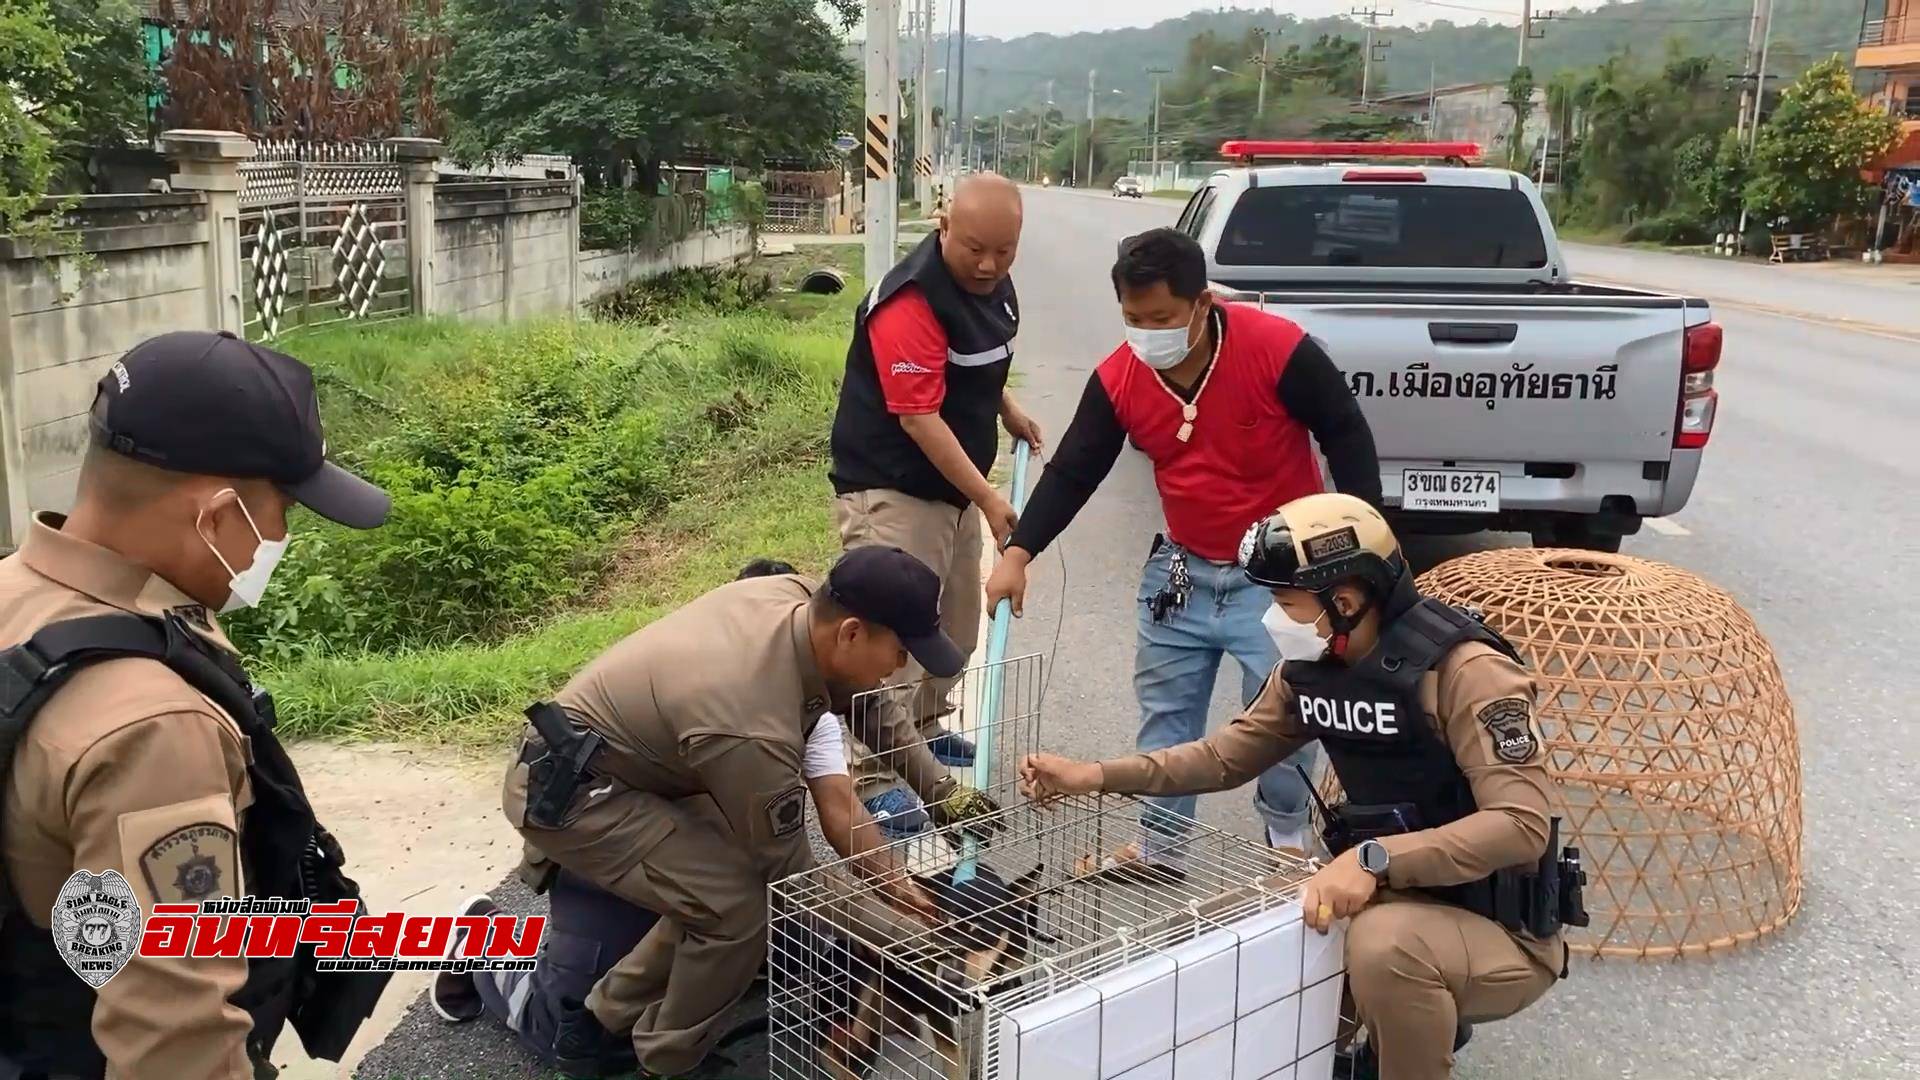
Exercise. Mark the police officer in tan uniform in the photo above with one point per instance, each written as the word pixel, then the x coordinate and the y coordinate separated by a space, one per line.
pixel 201 445
pixel 669 773
pixel 1444 853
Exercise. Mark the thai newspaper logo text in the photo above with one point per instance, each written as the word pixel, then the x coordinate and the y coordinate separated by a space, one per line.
pixel 343 938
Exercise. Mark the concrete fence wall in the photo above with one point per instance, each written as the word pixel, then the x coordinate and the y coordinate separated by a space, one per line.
pixel 493 249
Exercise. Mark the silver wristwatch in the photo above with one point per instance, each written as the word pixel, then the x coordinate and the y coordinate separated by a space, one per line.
pixel 1373 859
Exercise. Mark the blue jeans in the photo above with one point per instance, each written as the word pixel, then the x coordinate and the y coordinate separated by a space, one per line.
pixel 1175 662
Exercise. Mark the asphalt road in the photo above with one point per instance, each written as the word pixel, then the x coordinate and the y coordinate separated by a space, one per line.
pixel 1799 510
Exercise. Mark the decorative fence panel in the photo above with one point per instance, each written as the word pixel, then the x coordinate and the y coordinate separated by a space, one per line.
pixel 323 237
pixel 794 214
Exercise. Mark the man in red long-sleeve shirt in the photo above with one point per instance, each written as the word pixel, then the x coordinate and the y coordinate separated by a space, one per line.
pixel 1223 398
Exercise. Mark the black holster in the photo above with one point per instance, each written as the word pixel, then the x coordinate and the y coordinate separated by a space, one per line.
pixel 556 771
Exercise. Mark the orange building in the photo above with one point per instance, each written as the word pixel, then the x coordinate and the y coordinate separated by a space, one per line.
pixel 1890 49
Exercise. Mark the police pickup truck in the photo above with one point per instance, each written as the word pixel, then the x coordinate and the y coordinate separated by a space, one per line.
pixel 1503 395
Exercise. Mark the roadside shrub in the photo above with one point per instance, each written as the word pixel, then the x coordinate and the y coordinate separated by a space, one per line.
pixel 519 458
pixel 711 289
pixel 1673 228
pixel 615 218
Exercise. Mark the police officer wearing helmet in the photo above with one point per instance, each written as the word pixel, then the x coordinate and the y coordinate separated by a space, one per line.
pixel 1444 853
pixel 132 745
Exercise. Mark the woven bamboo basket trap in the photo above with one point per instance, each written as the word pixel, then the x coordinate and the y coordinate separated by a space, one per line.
pixel 1670 733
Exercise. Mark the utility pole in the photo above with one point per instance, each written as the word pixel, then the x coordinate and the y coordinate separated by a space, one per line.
pixel 883 91
pixel 972 122
pixel 1090 139
pixel 1157 73
pixel 1000 146
pixel 1747 73
pixel 923 122
pixel 1259 103
pixel 1433 96
pixel 1760 79
pixel 1372 14
pixel 1759 99
pixel 960 87
pixel 1526 30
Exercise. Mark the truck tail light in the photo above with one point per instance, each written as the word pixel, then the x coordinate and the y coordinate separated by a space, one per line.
pixel 1700 355
pixel 1384 176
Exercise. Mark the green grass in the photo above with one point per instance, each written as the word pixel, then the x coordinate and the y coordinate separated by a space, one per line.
pixel 472 695
pixel 1170 193
pixel 753 395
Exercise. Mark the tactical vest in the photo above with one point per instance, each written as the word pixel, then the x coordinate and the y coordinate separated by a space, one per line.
pixel 45 1011
pixel 870 449
pixel 1379 738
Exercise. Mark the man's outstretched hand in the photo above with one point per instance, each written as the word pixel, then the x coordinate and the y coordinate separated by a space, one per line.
pixel 1046 777
pixel 1009 580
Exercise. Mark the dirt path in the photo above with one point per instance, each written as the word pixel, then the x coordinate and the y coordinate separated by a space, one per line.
pixel 422 830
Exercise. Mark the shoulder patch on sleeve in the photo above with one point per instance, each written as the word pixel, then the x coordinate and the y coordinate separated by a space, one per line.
pixel 1509 721
pixel 787 812
pixel 192 863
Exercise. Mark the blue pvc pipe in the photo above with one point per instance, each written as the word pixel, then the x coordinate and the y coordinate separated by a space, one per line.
pixel 995 671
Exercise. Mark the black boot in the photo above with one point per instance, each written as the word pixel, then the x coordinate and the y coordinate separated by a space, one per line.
pixel 583 1050
pixel 1363 1062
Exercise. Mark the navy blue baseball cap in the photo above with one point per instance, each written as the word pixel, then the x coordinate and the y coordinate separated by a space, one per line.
pixel 207 403
pixel 886 585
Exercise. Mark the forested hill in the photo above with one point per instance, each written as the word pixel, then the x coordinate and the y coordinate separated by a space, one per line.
pixel 1015 73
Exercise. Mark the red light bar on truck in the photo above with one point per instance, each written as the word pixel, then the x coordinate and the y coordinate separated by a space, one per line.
pixel 1247 151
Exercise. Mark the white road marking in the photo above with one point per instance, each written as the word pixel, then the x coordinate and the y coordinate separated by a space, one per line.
pixel 1667 527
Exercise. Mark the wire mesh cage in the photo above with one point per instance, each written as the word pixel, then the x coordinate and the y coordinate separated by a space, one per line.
pixel 1668 726
pixel 1047 960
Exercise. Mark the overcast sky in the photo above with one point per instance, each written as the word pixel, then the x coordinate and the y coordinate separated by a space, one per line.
pixel 1012 18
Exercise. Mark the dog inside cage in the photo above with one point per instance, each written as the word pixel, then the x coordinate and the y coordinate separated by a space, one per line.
pixel 1037 932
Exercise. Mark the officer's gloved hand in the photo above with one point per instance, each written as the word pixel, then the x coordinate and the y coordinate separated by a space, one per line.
pixel 955 803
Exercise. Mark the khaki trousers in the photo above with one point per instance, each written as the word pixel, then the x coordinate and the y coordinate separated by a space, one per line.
pixel 1416 968
pixel 680 860
pixel 947 539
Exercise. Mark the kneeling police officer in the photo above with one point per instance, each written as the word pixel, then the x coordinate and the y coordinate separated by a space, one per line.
pixel 137 763
pixel 1444 855
pixel 673 772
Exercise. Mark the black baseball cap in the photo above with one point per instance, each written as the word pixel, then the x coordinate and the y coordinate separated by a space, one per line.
pixel 195 401
pixel 890 587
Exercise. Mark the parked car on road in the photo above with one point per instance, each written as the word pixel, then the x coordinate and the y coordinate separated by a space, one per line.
pixel 1128 186
pixel 1503 394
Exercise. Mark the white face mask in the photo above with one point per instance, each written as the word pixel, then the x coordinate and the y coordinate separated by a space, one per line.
pixel 246 587
pixel 1295 640
pixel 1161 349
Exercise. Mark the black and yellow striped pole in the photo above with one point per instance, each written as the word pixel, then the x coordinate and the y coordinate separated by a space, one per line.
pixel 882 186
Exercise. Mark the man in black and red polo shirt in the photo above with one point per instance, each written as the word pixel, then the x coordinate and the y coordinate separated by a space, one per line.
pixel 1223 398
pixel 915 435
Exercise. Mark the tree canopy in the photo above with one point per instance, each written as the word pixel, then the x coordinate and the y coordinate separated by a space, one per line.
pixel 1807 162
pixel 623 85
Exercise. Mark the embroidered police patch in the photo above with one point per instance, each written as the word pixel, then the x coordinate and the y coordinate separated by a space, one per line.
pixel 191 864
pixel 787 812
pixel 1510 722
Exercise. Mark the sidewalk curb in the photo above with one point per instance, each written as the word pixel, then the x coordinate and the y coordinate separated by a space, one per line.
pixel 1837 321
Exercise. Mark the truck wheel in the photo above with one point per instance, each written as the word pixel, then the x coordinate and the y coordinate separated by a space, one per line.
pixel 1576 534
